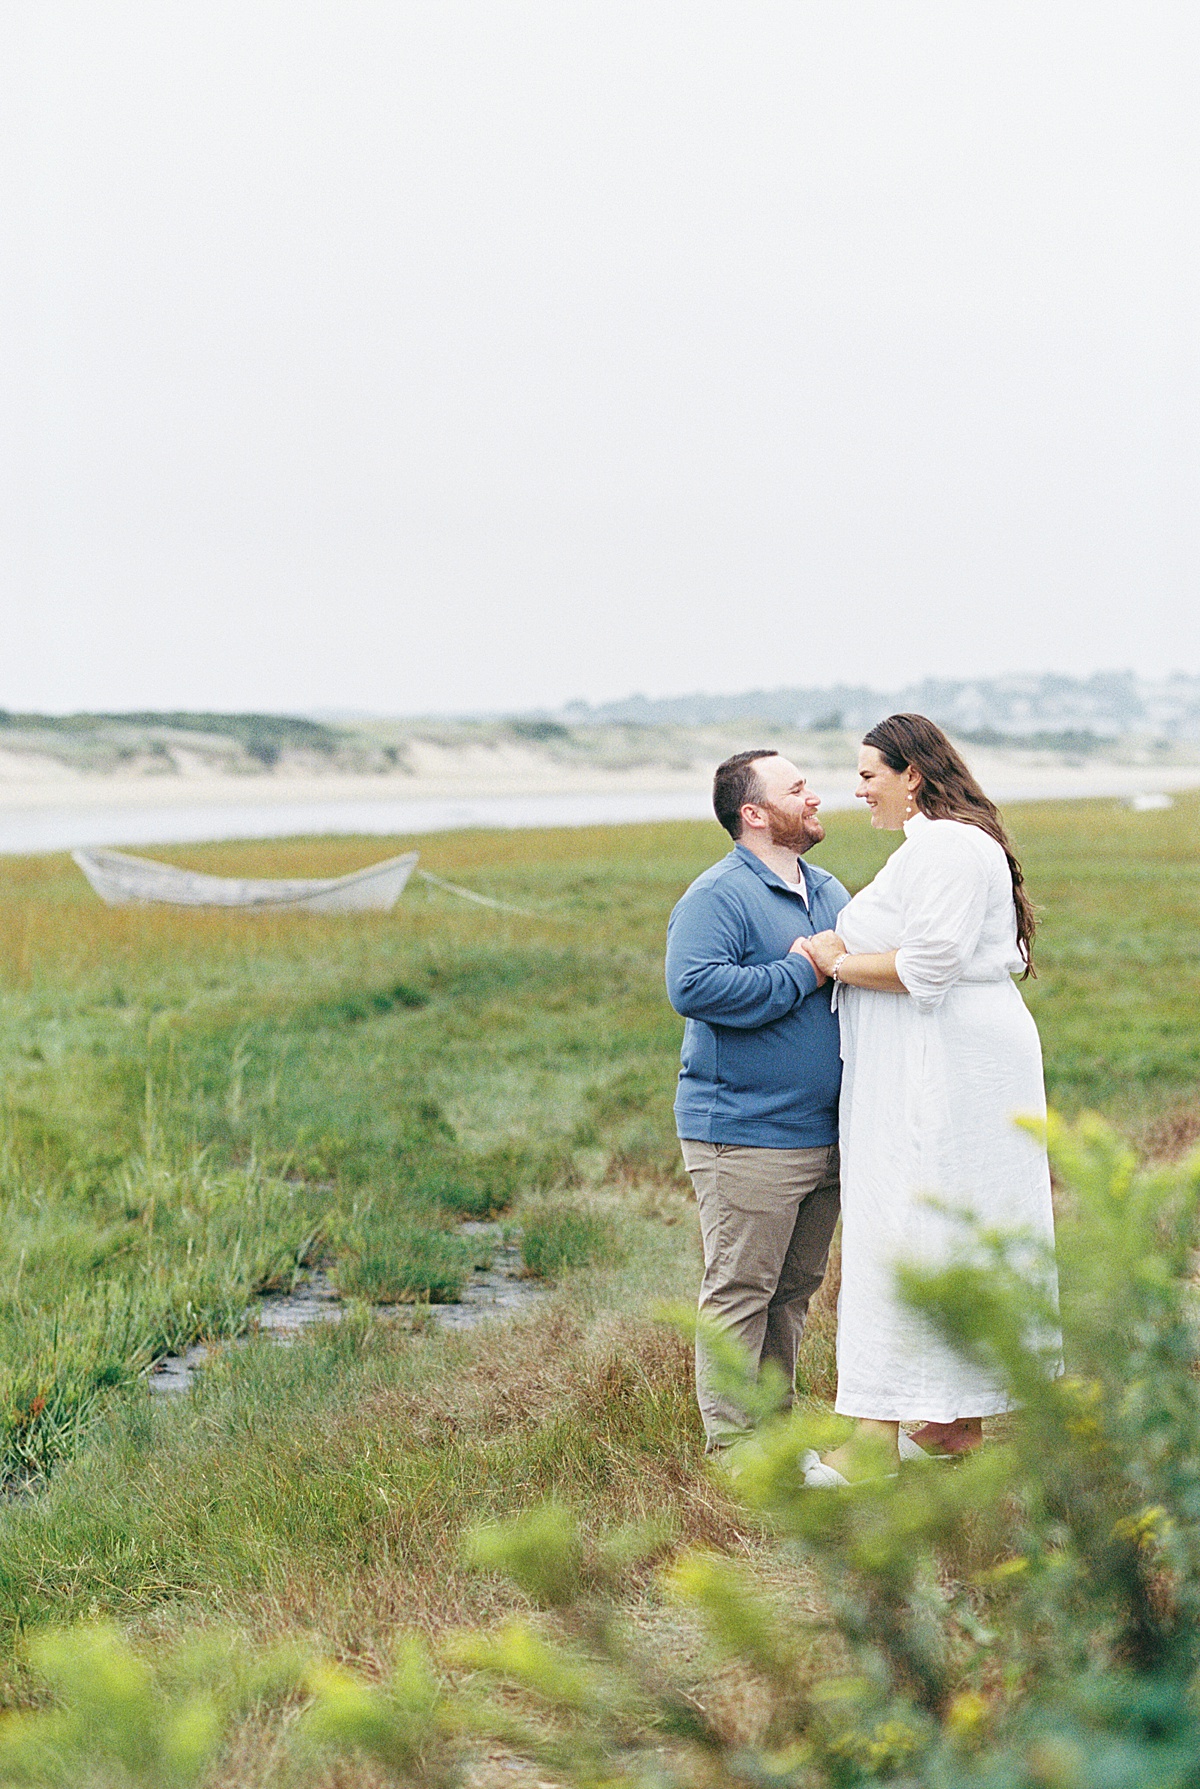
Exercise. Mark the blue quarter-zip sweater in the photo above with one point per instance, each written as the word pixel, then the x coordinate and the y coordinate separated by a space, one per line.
pixel 760 1047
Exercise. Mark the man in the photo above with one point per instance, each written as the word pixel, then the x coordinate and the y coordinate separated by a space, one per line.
pixel 756 1109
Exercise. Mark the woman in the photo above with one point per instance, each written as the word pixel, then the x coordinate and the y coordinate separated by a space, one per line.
pixel 940 1055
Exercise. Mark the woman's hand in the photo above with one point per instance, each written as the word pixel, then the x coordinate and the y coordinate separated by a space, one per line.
pixel 800 949
pixel 823 950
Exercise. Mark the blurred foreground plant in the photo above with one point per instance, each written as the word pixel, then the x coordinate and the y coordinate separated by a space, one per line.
pixel 403 1725
pixel 114 1721
pixel 1026 1617
pixel 117 1724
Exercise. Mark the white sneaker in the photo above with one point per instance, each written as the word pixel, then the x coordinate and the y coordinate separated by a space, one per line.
pixel 912 1450
pixel 818 1476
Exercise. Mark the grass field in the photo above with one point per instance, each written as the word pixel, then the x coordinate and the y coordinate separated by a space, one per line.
pixel 197 1106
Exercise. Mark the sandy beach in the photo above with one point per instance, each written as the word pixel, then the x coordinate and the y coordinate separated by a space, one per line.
pixel 467 772
pixel 437 774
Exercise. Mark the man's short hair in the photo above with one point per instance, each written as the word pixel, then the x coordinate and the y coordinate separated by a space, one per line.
pixel 736 783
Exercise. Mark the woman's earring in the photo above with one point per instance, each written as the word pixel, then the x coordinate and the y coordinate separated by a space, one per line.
pixel 910 806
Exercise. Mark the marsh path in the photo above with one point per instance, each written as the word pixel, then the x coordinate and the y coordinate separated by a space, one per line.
pixel 498 1291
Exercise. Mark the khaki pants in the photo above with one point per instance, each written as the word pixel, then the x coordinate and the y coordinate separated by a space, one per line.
pixel 767 1217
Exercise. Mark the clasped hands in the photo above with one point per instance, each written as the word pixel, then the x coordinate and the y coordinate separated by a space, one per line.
pixel 822 950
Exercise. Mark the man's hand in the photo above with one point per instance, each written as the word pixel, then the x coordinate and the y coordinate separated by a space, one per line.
pixel 801 949
pixel 823 950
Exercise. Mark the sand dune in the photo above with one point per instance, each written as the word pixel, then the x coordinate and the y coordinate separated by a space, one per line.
pixel 463 772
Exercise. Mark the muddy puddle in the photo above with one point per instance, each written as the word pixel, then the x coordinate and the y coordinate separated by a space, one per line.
pixel 494 1292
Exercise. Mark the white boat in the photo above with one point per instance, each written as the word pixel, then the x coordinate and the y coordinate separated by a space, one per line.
pixel 125 881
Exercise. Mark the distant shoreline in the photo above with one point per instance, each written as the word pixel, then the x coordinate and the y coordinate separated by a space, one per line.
pixel 514 789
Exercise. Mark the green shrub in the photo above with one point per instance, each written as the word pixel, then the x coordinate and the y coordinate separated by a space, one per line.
pixel 1030 1617
pixel 557 1238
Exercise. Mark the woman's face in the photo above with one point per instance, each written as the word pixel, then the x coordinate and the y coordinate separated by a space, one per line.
pixel 890 794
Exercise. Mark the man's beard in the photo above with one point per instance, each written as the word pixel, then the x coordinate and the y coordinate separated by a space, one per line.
pixel 790 832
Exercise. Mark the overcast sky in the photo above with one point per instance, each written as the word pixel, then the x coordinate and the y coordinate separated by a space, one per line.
pixel 390 356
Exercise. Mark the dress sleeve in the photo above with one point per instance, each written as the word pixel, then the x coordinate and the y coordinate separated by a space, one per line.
pixel 944 902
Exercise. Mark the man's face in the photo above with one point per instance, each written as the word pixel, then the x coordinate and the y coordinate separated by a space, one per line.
pixel 787 805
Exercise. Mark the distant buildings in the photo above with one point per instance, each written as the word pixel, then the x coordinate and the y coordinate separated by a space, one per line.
pixel 1060 710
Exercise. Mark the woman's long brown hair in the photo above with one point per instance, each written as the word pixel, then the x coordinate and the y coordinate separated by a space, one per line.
pixel 948 791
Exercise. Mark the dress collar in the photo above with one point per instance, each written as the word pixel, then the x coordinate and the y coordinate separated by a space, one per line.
pixel 914 824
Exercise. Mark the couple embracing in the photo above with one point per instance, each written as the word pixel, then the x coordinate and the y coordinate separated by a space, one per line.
pixel 889 1025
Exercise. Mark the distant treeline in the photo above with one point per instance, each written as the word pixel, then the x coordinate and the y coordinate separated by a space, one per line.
pixel 262 737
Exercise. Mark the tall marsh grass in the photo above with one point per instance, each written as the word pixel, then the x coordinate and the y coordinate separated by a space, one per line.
pixel 194 1106
pixel 556 1238
pixel 90 1297
pixel 1026 1619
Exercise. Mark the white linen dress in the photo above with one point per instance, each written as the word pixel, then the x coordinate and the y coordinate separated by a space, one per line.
pixel 932 1082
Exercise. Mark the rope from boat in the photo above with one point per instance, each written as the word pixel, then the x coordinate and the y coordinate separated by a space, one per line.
pixel 468 894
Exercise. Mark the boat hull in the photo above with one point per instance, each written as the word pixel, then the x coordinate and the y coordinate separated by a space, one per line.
pixel 122 880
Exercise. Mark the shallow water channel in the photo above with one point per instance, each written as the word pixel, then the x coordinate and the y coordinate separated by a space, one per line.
pixel 492 1292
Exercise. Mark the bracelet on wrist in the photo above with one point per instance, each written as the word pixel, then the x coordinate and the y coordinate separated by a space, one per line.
pixel 838 961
